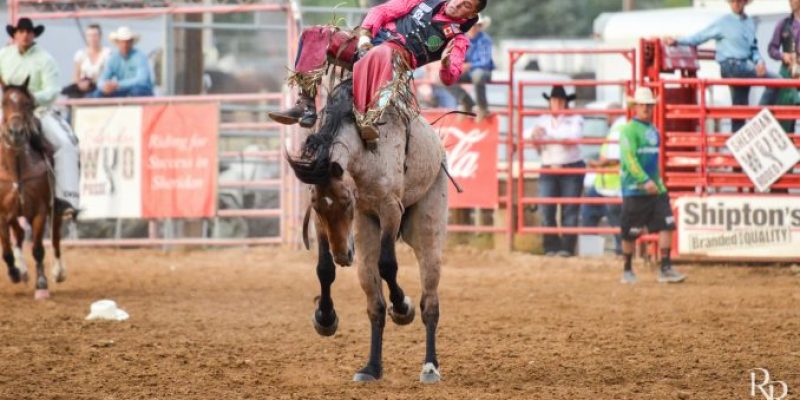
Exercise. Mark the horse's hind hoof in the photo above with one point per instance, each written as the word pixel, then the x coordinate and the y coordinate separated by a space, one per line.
pixel 362 377
pixel 401 319
pixel 323 330
pixel 429 374
pixel 41 294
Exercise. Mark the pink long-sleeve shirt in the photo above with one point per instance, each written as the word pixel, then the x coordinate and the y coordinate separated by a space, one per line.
pixel 385 15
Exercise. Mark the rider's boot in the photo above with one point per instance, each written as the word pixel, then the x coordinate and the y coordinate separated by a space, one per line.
pixel 304 111
pixel 370 134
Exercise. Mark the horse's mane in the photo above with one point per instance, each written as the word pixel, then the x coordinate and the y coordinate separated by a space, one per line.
pixel 313 165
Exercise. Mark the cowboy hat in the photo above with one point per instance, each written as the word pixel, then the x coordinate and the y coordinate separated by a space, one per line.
pixel 25 24
pixel 484 20
pixel 123 33
pixel 558 92
pixel 642 95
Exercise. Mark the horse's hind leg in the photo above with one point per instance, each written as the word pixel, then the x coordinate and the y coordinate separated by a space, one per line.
pixel 425 231
pixel 37 228
pixel 368 250
pixel 8 255
pixel 59 270
pixel 402 308
pixel 19 256
pixel 324 318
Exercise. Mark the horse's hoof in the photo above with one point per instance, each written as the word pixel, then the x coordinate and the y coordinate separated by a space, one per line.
pixel 60 276
pixel 325 330
pixel 363 377
pixel 429 374
pixel 401 319
pixel 14 275
pixel 41 294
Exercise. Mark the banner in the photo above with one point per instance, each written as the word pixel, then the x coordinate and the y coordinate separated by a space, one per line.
pixel 763 150
pixel 750 227
pixel 179 178
pixel 155 161
pixel 472 160
pixel 111 154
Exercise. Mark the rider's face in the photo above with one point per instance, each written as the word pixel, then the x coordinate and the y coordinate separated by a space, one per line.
pixel 24 38
pixel 462 9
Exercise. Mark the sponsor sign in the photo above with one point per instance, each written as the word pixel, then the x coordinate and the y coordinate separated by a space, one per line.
pixel 749 227
pixel 763 150
pixel 472 161
pixel 155 161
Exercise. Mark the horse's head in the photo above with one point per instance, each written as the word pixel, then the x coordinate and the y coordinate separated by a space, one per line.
pixel 334 204
pixel 18 106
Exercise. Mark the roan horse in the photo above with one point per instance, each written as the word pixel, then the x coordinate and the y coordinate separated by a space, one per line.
pixel 25 188
pixel 399 190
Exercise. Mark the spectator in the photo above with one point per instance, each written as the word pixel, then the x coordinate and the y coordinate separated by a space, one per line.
pixel 557 126
pixel 433 94
pixel 127 73
pixel 737 53
pixel 606 185
pixel 89 64
pixel 477 69
pixel 645 203
pixel 783 47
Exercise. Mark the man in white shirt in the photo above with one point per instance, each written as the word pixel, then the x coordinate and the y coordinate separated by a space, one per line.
pixel 553 184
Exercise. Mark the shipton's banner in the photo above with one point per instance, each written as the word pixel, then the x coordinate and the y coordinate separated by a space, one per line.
pixel 752 227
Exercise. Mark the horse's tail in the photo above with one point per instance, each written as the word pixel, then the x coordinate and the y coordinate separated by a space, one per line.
pixel 313 164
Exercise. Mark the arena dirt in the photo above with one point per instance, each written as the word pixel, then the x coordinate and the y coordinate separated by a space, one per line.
pixel 235 324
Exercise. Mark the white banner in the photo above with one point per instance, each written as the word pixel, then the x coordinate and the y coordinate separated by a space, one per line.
pixel 111 145
pixel 763 150
pixel 749 227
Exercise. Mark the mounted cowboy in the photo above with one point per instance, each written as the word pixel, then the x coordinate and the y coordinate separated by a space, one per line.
pixel 405 34
pixel 24 60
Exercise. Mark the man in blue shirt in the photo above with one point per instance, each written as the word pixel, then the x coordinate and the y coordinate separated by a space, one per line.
pixel 127 73
pixel 477 69
pixel 736 53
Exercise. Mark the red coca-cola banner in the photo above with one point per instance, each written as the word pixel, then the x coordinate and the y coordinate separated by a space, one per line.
pixel 472 158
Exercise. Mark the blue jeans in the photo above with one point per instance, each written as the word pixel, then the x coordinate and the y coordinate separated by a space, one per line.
pixel 133 91
pixel 478 77
pixel 591 214
pixel 561 186
pixel 740 95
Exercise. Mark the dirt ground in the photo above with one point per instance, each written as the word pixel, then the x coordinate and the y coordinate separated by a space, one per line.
pixel 235 324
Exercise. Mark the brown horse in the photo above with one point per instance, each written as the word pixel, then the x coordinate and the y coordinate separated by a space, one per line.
pixel 399 190
pixel 25 188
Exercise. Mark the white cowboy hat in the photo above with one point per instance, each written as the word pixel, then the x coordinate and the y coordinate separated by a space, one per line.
pixel 123 33
pixel 642 95
pixel 484 20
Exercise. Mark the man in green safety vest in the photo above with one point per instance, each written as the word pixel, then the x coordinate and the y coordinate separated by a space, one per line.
pixel 605 185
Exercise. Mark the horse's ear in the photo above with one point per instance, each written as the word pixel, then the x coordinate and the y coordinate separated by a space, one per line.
pixel 27 80
pixel 336 170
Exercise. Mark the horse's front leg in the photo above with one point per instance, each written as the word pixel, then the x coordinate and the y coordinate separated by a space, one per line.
pixel 325 319
pixel 367 232
pixel 402 308
pixel 37 237
pixel 19 256
pixel 8 255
